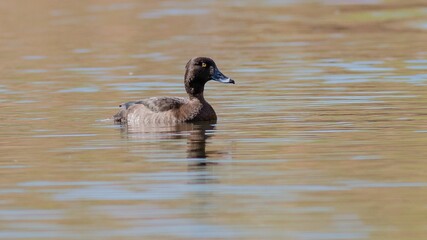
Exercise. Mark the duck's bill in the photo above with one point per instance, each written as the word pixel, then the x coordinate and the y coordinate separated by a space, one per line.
pixel 219 77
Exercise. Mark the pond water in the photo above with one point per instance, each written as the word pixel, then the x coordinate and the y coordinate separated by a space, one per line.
pixel 323 137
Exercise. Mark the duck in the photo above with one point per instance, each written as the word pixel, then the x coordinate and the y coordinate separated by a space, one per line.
pixel 166 110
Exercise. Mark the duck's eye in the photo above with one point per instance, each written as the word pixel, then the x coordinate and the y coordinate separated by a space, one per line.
pixel 203 64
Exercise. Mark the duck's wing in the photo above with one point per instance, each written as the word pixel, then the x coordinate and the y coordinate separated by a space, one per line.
pixel 154 104
pixel 161 104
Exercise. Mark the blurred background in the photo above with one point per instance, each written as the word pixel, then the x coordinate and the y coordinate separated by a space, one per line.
pixel 323 137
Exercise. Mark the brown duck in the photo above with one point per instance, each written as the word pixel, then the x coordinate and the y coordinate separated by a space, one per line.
pixel 198 72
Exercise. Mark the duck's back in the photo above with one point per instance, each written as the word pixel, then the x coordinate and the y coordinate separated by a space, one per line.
pixel 159 110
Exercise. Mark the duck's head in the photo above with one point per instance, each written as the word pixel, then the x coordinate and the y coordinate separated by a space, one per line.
pixel 199 71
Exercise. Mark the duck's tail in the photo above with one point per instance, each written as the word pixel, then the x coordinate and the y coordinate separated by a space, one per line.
pixel 121 116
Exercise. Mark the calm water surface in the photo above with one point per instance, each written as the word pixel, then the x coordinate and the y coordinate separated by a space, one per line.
pixel 323 137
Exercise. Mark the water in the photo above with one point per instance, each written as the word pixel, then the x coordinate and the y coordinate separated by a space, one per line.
pixel 322 137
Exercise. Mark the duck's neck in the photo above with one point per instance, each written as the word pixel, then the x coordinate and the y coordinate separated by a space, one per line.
pixel 195 90
pixel 199 97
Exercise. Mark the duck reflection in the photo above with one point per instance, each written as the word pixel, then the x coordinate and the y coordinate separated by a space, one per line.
pixel 201 170
pixel 195 133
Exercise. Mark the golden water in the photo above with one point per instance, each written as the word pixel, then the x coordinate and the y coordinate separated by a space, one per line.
pixel 323 137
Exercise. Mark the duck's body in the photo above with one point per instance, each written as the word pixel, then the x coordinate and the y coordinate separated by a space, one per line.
pixel 165 110
pixel 177 109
